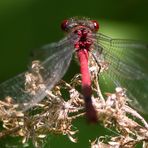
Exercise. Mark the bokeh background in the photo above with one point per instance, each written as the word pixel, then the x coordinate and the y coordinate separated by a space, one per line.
pixel 28 24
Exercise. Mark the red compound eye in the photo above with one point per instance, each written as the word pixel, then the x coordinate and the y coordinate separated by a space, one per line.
pixel 64 25
pixel 96 25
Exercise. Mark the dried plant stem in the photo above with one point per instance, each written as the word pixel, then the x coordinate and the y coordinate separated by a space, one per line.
pixel 55 115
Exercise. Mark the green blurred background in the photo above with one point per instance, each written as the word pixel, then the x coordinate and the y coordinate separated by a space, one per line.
pixel 28 24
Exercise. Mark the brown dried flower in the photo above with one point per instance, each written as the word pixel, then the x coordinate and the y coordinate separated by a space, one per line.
pixel 55 115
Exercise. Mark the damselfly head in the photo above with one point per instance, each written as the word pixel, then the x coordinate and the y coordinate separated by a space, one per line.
pixel 72 23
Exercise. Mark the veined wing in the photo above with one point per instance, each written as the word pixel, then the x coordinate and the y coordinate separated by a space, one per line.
pixel 45 75
pixel 128 62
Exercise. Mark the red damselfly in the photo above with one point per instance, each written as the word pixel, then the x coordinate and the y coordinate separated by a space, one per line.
pixel 127 61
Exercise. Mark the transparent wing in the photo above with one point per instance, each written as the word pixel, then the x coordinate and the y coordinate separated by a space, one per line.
pixel 45 75
pixel 128 68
